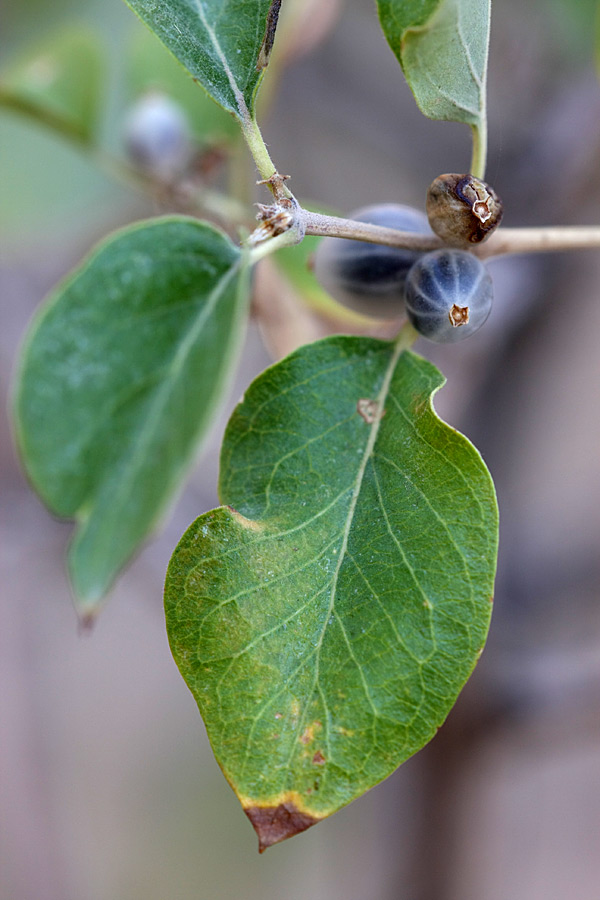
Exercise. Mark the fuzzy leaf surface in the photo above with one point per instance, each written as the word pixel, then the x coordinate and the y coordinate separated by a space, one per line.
pixel 327 617
pixel 118 379
pixel 59 83
pixel 218 41
pixel 442 46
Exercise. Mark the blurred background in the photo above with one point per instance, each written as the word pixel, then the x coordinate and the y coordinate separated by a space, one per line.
pixel 108 785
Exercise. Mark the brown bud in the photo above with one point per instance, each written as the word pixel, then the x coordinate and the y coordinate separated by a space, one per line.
pixel 462 210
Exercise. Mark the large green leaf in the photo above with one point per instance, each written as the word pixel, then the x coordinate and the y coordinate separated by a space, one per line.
pixel 442 46
pixel 218 41
pixel 59 83
pixel 118 379
pixel 327 618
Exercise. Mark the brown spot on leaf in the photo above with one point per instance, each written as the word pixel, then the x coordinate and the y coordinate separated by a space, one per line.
pixel 277 823
pixel 368 410
pixel 308 734
pixel 318 759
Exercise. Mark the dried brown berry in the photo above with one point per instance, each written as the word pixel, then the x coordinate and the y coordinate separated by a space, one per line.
pixel 462 210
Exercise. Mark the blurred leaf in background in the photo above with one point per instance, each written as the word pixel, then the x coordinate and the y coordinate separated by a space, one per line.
pixel 152 68
pixel 59 82
pixel 118 381
pixel 51 190
pixel 226 60
pixel 575 20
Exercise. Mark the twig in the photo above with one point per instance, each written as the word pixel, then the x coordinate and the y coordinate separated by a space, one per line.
pixel 541 240
pixel 504 241
pixel 332 226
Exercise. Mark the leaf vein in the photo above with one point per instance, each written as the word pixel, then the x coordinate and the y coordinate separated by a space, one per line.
pixel 439 518
pixel 429 605
pixel 260 587
pixel 237 93
pixel 438 452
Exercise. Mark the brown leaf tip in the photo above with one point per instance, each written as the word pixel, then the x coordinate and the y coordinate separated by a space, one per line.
pixel 277 823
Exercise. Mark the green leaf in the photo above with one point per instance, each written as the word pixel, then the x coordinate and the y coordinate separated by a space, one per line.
pixel 153 68
pixel 327 618
pixel 59 83
pixel 218 41
pixel 119 377
pixel 442 46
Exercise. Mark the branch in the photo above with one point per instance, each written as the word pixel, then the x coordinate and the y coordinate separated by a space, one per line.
pixel 540 240
pixel 332 226
pixel 503 241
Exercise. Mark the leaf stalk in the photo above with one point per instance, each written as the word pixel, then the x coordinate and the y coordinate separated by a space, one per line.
pixel 479 154
pixel 262 158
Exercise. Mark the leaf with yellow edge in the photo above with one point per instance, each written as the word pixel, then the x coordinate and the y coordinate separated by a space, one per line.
pixel 328 614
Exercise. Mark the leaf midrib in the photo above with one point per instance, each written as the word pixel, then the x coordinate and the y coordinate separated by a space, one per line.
pixel 380 401
pixel 237 93
pixel 399 348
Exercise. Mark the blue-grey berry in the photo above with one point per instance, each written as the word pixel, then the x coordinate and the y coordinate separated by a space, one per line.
pixel 157 135
pixel 370 278
pixel 448 295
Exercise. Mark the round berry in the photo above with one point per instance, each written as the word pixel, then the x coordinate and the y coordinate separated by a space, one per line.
pixel 463 210
pixel 370 278
pixel 157 135
pixel 448 295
